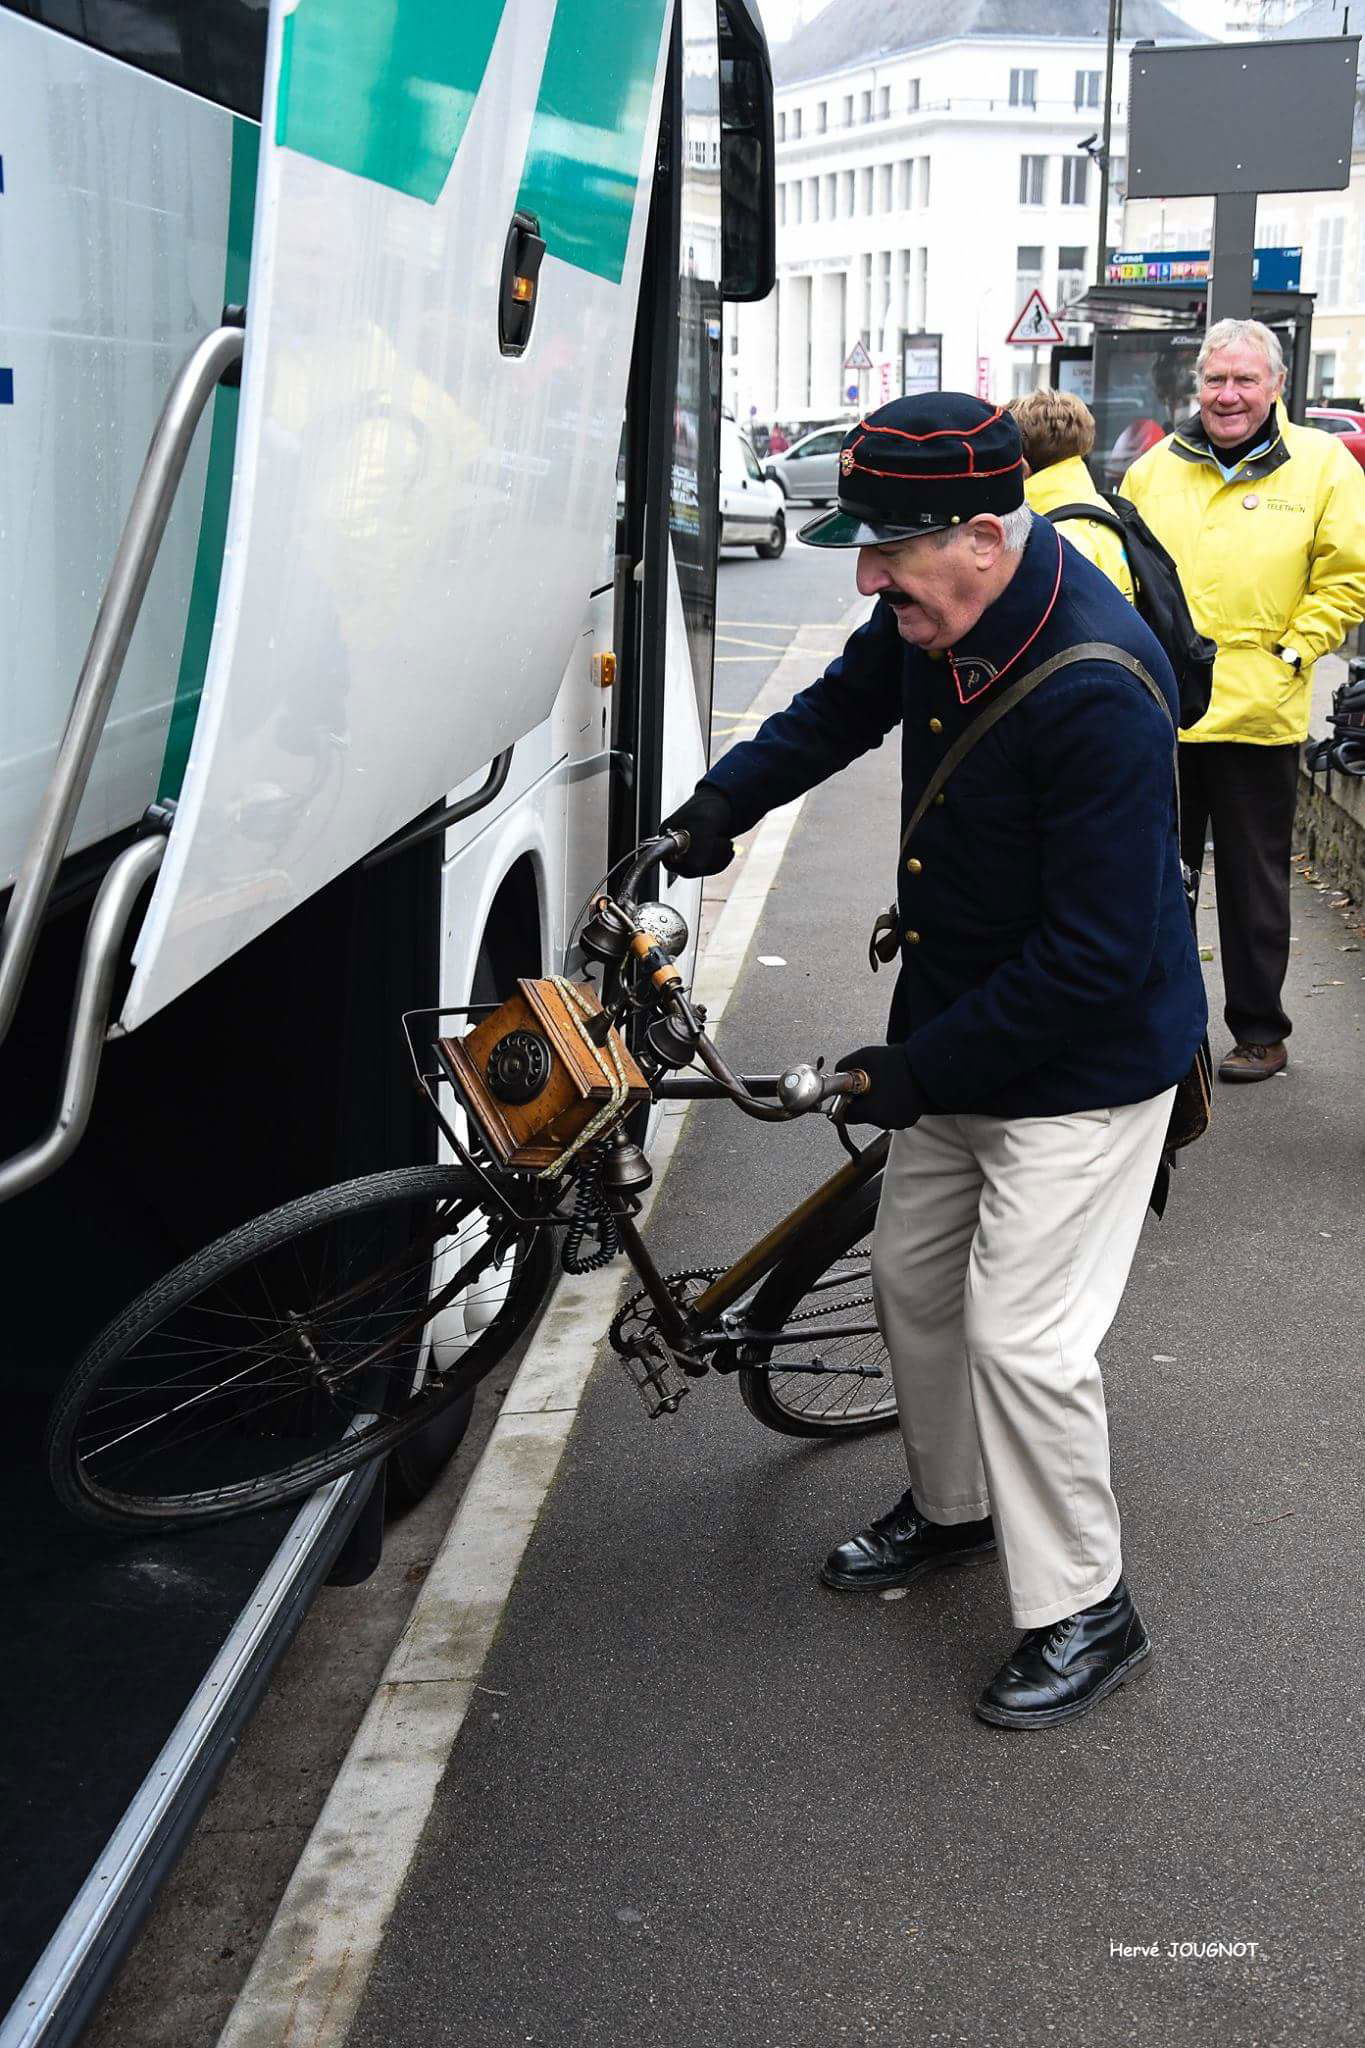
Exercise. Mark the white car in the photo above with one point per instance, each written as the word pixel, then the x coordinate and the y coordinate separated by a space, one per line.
pixel 752 510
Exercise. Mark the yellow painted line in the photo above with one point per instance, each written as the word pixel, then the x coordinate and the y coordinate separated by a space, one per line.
pixel 733 640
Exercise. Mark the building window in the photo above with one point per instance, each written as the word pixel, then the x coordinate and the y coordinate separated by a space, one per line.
pixel 884 294
pixel 904 183
pixel 1032 180
pixel 781 206
pixel 884 188
pixel 831 195
pixel 1071 273
pixel 1329 240
pixel 812 199
pixel 867 297
pixel 781 127
pixel 796 204
pixel 912 97
pixel 865 190
pixel 821 116
pixel 1023 88
pixel 846 178
pixel 1025 376
pixel 1322 376
pixel 847 115
pixel 906 317
pixel 864 106
pixel 922 292
pixel 1075 177
pixel 1118 178
pixel 924 181
pixel 883 102
pixel 796 124
pixel 1087 88
pixel 1028 272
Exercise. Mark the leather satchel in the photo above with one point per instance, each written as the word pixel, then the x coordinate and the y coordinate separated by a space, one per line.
pixel 1192 1110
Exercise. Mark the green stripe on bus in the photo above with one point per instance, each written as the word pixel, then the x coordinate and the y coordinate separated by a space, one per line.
pixel 583 158
pixel 384 88
pixel 208 560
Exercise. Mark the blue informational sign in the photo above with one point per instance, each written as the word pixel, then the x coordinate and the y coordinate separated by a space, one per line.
pixel 1272 270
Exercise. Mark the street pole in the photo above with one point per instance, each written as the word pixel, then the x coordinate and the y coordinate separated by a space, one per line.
pixel 1115 27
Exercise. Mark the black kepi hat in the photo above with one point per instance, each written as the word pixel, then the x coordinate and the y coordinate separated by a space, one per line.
pixel 921 464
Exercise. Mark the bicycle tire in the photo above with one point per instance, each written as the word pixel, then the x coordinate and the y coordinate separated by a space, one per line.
pixel 794 1404
pixel 388 1342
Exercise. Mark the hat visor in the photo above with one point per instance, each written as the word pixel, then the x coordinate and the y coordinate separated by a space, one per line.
pixel 840 529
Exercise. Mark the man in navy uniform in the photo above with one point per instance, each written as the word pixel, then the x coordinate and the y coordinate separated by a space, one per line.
pixel 1048 1002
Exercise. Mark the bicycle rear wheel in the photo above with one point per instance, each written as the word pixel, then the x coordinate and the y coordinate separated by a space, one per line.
pixel 294 1349
pixel 815 1296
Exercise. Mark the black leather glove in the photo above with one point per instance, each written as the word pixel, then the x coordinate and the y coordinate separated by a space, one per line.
pixel 706 818
pixel 895 1099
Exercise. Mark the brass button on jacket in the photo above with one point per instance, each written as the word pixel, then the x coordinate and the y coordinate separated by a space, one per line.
pixel 914 867
pixel 912 938
pixel 935 725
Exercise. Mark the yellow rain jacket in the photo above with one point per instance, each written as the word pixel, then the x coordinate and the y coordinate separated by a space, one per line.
pixel 1275 554
pixel 1068 483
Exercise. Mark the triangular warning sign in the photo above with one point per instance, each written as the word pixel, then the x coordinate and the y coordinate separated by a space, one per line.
pixel 1035 327
pixel 858 358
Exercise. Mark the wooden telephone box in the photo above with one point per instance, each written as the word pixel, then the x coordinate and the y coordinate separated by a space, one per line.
pixel 530 1077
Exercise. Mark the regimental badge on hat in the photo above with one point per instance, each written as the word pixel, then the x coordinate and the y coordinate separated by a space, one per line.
pixel 919 465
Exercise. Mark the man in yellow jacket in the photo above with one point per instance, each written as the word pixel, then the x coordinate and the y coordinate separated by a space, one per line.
pixel 1058 432
pixel 1266 522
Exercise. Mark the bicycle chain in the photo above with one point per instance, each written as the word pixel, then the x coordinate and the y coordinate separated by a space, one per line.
pixel 641 1308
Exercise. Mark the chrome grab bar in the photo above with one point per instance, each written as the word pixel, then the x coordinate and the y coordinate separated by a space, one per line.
pixel 100 953
pixel 103 664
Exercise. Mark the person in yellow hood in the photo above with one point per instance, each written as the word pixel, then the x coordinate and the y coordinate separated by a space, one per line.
pixel 1266 522
pixel 1058 432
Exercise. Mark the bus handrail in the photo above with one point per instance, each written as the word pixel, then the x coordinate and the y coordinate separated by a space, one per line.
pixel 118 614
pixel 100 953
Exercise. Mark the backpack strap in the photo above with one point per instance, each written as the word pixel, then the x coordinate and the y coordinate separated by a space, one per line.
pixel 1093 508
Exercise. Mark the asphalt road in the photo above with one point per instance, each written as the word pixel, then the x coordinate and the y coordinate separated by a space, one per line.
pixel 703 1802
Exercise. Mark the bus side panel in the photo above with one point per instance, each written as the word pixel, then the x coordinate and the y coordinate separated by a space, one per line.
pixel 113 256
pixel 417 518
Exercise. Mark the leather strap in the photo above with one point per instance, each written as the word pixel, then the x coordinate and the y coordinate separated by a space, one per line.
pixel 1087 650
pixel 885 941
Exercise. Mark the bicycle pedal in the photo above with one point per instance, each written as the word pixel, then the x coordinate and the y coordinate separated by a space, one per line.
pixel 653 1372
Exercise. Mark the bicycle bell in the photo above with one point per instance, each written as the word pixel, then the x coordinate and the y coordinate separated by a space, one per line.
pixel 799 1090
pixel 666 926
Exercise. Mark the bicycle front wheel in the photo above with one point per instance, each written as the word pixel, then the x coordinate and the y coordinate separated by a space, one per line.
pixel 294 1349
pixel 834 1377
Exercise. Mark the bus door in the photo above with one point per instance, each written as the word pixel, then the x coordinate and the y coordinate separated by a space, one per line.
pixel 428 432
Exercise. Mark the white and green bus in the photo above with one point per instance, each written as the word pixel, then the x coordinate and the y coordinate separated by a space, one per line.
pixel 391 278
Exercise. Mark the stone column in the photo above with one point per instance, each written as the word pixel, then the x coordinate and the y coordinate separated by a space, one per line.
pixel 828 340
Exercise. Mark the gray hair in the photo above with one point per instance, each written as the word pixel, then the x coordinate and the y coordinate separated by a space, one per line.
pixel 1233 334
pixel 1017 525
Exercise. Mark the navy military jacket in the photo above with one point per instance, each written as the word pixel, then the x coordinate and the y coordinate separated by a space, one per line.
pixel 1047 960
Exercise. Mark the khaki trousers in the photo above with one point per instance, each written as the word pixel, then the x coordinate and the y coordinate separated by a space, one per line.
pixel 1001 1253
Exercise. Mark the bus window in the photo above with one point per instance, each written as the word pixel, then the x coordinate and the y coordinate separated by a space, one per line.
pixel 215 48
pixel 694 507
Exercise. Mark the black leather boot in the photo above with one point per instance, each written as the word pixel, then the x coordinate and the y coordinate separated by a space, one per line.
pixel 901 1546
pixel 1059 1671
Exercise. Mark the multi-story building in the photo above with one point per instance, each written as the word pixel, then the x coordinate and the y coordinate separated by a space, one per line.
pixel 936 162
pixel 1328 226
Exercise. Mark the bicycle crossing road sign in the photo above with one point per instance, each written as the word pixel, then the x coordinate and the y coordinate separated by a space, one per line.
pixel 1035 327
pixel 859 359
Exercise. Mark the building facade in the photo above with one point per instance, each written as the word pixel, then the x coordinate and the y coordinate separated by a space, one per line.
pixel 936 162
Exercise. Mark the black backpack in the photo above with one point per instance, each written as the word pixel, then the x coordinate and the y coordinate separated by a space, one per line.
pixel 1160 599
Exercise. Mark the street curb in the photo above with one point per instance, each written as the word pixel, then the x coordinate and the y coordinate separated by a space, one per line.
pixel 306 1984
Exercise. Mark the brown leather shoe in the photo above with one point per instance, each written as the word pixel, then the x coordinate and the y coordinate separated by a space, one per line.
pixel 1254 1062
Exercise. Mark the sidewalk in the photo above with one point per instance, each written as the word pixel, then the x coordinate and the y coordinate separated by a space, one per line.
pixel 699 1801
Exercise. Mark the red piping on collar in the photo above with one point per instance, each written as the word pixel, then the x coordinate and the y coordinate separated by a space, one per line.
pixel 1047 614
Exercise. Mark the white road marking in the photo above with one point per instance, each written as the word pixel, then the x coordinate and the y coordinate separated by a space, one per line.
pixel 306 1984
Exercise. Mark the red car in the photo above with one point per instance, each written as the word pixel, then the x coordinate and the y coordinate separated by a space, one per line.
pixel 1348 426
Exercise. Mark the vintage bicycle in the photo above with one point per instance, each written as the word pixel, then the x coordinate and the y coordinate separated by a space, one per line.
pixel 329 1331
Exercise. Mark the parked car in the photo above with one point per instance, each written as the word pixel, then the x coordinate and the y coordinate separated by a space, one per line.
pixel 810 468
pixel 1349 426
pixel 751 505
